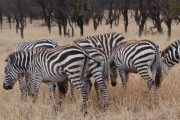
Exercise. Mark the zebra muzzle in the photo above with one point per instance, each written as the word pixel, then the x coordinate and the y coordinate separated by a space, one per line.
pixel 7 87
pixel 113 84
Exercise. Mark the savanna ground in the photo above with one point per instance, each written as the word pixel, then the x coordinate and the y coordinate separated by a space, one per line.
pixel 129 106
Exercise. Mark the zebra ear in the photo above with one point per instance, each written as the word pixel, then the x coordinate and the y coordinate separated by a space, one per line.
pixel 10 58
pixel 7 59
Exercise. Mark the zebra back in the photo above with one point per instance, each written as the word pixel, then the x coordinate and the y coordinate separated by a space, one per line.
pixel 106 42
pixel 48 43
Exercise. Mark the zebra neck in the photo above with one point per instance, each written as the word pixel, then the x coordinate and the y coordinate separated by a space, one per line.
pixel 167 66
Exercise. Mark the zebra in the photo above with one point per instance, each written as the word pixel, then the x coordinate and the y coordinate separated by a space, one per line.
pixel 170 56
pixel 24 85
pixel 137 57
pixel 106 42
pixel 53 65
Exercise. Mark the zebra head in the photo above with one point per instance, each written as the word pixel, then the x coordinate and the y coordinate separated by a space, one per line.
pixel 113 75
pixel 171 54
pixel 113 68
pixel 11 74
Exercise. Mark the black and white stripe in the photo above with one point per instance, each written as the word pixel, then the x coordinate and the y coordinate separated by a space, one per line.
pixel 170 56
pixel 25 84
pixel 48 43
pixel 106 42
pixel 54 65
pixel 137 57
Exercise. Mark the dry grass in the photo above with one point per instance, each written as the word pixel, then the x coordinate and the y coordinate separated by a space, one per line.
pixel 129 106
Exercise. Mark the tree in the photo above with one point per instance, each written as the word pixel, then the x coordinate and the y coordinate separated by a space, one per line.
pixel 125 4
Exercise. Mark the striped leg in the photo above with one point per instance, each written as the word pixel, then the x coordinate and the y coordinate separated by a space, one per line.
pixel 23 89
pixel 84 93
pixel 28 85
pixel 35 85
pixel 124 77
pixel 143 72
pixel 102 88
pixel 52 87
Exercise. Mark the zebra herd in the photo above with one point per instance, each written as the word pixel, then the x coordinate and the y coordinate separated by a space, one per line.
pixel 97 56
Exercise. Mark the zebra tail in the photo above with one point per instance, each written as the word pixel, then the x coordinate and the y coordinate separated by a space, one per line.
pixel 63 87
pixel 158 74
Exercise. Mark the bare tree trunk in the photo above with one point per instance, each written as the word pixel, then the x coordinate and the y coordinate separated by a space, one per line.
pixel 17 25
pixel 48 20
pixel 9 21
pixel 25 18
pixel 137 17
pixel 72 29
pixel 143 15
pixel 80 24
pixel 30 16
pixel 110 16
pixel 47 16
pixel 141 26
pixel 21 18
pixel 125 13
pixel 1 19
pixel 59 26
pixel 168 22
pixel 95 24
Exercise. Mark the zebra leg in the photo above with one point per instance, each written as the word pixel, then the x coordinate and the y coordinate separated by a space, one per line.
pixel 154 72
pixel 97 91
pixel 23 89
pixel 35 85
pixel 28 85
pixel 52 87
pixel 90 84
pixel 143 72
pixel 124 77
pixel 102 88
pixel 72 90
pixel 84 93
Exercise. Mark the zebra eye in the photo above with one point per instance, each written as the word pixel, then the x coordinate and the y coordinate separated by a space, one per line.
pixel 5 71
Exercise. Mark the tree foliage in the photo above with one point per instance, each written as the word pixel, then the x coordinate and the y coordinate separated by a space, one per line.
pixel 69 13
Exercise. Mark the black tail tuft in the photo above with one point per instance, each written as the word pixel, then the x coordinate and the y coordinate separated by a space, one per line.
pixel 63 87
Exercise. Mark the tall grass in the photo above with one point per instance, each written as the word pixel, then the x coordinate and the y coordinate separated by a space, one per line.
pixel 131 105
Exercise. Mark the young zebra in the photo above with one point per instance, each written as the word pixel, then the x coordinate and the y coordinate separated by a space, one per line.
pixel 106 42
pixel 54 65
pixel 170 56
pixel 137 57
pixel 24 84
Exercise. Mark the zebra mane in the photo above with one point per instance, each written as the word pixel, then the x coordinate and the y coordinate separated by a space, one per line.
pixel 79 40
pixel 10 57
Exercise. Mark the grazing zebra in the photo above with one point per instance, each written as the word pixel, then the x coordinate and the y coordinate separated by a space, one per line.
pixel 24 85
pixel 137 57
pixel 106 42
pixel 54 65
pixel 170 56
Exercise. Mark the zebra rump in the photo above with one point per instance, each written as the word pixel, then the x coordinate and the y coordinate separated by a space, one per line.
pixel 106 42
